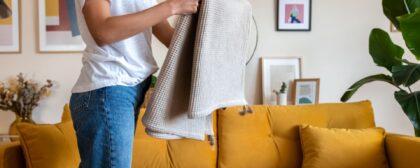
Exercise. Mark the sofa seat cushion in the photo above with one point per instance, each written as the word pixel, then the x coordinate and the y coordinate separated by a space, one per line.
pixel 269 137
pixel 343 148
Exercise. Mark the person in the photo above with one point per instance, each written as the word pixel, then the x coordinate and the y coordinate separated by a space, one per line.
pixel 117 65
pixel 294 14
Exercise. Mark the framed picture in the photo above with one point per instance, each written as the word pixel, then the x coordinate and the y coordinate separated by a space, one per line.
pixel 294 15
pixel 10 40
pixel 275 71
pixel 306 91
pixel 58 30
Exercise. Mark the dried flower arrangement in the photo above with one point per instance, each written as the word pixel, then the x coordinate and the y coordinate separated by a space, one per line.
pixel 21 96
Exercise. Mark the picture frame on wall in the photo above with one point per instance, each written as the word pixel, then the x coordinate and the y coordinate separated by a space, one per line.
pixel 57 26
pixel 294 15
pixel 10 30
pixel 275 71
pixel 306 91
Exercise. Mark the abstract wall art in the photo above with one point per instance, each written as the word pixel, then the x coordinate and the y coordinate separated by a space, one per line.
pixel 58 30
pixel 10 27
pixel 275 71
pixel 306 91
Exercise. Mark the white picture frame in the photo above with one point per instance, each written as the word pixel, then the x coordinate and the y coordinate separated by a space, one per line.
pixel 275 71
pixel 53 25
pixel 10 30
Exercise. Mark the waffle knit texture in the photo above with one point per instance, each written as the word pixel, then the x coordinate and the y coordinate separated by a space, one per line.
pixel 203 71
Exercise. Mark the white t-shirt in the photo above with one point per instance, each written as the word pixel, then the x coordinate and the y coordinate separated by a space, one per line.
pixel 127 62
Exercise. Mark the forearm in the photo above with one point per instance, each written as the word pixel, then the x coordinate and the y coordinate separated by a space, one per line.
pixel 106 29
pixel 164 32
pixel 116 28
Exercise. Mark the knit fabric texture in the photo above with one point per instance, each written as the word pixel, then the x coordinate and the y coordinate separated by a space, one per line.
pixel 203 71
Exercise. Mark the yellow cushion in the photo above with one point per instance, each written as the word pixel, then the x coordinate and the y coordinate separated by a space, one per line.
pixel 66 116
pixel 49 146
pixel 158 153
pixel 342 148
pixel 272 132
pixel 403 151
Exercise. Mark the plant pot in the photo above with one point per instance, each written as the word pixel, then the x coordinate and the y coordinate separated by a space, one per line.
pixel 283 99
pixel 417 131
pixel 13 128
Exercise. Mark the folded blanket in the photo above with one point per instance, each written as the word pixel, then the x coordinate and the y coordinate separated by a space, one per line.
pixel 203 71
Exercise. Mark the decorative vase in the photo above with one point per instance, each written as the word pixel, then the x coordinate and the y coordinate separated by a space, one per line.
pixel 278 99
pixel 283 99
pixel 13 128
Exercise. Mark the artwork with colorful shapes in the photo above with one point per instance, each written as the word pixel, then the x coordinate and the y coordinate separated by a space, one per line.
pixel 58 26
pixel 10 28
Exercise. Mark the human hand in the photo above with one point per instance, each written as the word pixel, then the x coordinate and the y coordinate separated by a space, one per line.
pixel 183 7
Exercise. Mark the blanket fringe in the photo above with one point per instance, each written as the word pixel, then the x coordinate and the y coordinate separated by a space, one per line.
pixel 211 140
pixel 245 110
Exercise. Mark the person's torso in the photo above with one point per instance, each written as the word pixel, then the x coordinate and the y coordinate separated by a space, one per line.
pixel 126 62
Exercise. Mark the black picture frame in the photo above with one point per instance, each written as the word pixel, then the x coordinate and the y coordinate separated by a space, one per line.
pixel 278 27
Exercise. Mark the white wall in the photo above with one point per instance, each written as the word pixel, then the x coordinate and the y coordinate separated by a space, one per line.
pixel 336 50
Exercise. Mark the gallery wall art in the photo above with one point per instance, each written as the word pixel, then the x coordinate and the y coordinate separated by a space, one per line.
pixel 306 91
pixel 294 15
pixel 275 71
pixel 10 28
pixel 58 30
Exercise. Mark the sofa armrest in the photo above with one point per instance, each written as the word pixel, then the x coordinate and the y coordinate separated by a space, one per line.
pixel 403 151
pixel 11 156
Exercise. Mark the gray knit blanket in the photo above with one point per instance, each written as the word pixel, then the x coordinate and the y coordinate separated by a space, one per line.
pixel 203 71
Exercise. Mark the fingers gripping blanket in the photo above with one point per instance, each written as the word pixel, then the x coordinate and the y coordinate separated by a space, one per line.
pixel 203 71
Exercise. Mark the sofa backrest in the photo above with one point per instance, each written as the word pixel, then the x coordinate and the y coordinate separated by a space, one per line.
pixel 269 137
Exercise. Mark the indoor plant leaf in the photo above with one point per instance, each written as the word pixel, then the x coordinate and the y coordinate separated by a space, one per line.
pixel 392 9
pixel 153 82
pixel 406 74
pixel 383 51
pixel 413 5
pixel 353 88
pixel 410 25
pixel 395 8
pixel 410 103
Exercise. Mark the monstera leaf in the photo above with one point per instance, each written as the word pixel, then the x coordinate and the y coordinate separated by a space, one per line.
pixel 410 103
pixel 412 5
pixel 410 28
pixel 406 74
pixel 395 8
pixel 383 51
pixel 353 88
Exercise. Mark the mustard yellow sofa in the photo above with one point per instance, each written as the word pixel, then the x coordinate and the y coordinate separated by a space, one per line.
pixel 268 138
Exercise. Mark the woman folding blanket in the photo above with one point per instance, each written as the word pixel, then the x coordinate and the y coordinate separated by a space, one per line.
pixel 117 65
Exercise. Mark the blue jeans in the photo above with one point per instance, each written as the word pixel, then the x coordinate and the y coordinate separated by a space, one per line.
pixel 105 121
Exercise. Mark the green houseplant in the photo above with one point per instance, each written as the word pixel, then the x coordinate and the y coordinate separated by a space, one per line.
pixel 405 15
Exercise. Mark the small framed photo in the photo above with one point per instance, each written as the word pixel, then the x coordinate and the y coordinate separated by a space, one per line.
pixel 58 29
pixel 10 40
pixel 275 71
pixel 294 15
pixel 306 91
